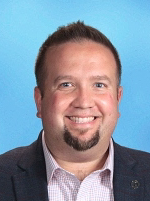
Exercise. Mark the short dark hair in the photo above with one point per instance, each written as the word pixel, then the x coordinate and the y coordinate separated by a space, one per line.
pixel 76 31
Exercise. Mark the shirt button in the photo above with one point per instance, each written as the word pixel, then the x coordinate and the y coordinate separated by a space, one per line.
pixel 135 184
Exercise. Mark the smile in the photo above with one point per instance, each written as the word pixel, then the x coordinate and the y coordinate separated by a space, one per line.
pixel 81 120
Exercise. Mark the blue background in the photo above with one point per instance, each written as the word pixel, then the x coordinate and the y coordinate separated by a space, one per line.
pixel 25 24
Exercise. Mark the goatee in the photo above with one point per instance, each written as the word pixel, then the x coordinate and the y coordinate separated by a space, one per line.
pixel 78 144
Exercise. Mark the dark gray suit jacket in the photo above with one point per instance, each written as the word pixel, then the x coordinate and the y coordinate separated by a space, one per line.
pixel 23 174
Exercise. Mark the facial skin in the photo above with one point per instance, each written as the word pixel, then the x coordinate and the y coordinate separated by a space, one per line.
pixel 81 95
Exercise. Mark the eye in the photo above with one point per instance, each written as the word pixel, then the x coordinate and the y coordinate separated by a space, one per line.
pixel 99 85
pixel 66 84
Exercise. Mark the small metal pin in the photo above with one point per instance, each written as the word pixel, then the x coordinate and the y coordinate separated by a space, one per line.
pixel 135 184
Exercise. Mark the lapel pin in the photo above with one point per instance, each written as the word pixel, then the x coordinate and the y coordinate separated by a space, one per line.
pixel 135 184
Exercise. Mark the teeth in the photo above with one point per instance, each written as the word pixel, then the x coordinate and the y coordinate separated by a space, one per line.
pixel 81 120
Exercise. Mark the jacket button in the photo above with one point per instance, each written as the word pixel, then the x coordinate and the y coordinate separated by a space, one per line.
pixel 135 184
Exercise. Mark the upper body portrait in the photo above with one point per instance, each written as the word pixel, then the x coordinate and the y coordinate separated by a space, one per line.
pixel 78 74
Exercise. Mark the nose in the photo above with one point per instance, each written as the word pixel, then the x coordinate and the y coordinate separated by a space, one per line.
pixel 84 99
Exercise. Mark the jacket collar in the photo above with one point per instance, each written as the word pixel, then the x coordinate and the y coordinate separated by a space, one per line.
pixel 128 183
pixel 30 182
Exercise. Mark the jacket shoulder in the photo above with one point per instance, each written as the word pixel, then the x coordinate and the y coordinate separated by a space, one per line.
pixel 129 156
pixel 10 159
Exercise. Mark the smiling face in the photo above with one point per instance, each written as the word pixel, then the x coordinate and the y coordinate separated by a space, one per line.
pixel 79 107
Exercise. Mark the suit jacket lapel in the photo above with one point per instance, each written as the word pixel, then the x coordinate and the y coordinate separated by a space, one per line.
pixel 128 185
pixel 31 182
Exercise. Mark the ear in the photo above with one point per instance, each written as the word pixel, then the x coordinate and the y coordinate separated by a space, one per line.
pixel 120 93
pixel 38 98
pixel 119 96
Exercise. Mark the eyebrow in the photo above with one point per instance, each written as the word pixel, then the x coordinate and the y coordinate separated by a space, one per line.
pixel 101 77
pixel 69 77
pixel 63 77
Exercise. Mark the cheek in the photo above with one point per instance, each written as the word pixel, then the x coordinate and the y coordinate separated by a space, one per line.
pixel 108 103
pixel 59 103
pixel 54 107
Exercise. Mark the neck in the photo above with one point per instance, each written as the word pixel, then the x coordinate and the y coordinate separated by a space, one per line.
pixel 80 163
pixel 83 169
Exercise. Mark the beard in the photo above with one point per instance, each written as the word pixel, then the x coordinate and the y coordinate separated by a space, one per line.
pixel 78 144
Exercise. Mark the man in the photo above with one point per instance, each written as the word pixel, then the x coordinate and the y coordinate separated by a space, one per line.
pixel 78 73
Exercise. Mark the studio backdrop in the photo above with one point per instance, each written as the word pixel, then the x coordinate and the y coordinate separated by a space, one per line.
pixel 25 24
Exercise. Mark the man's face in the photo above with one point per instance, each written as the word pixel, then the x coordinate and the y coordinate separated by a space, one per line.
pixel 79 107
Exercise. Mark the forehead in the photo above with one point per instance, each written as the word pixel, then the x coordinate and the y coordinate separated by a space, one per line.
pixel 82 55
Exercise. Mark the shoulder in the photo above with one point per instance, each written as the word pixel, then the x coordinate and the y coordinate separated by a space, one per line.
pixel 128 156
pixel 134 152
pixel 10 159
pixel 22 157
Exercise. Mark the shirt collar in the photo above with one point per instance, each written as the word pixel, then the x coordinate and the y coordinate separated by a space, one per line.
pixel 52 165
